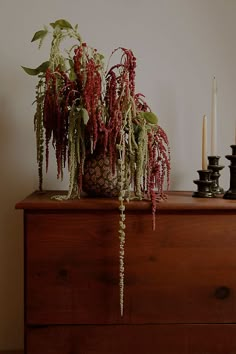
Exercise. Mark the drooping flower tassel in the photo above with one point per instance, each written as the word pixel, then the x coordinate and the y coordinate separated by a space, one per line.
pixel 121 174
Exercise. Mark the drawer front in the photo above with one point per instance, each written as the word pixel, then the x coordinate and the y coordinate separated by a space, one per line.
pixel 138 339
pixel 72 268
pixel 184 272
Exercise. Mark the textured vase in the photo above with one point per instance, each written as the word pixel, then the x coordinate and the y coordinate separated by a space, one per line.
pixel 98 180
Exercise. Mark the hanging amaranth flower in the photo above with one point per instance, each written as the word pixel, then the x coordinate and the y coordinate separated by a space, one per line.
pixel 83 110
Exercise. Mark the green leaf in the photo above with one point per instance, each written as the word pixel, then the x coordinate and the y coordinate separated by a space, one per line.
pixel 40 69
pixel 39 35
pixel 71 62
pixel 61 23
pixel 101 57
pixel 30 71
pixel 72 74
pixel 43 67
pixel 150 117
pixel 85 115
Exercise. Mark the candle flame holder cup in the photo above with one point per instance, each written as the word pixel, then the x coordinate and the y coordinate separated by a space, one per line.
pixel 231 193
pixel 213 165
pixel 204 184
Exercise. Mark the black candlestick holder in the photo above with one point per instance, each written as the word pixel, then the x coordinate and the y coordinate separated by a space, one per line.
pixel 231 193
pixel 204 184
pixel 213 165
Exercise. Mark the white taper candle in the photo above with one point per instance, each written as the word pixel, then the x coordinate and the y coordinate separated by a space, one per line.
pixel 214 118
pixel 235 134
pixel 204 143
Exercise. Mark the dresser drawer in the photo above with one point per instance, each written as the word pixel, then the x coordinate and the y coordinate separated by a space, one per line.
pixel 138 339
pixel 180 273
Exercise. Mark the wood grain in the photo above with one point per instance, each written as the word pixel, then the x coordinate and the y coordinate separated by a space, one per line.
pixel 180 289
pixel 171 275
pixel 176 202
pixel 150 339
pixel 11 352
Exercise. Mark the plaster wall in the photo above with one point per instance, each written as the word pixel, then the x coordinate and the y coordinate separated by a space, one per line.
pixel 180 45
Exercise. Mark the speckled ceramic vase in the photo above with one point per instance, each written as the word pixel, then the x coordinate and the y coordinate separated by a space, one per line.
pixel 98 180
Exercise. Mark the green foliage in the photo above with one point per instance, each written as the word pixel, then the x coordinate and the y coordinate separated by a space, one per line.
pixel 39 131
pixel 150 117
pixel 76 137
pixel 40 69
pixel 39 35
pixel 85 115
pixel 62 29
pixel 81 109
pixel 72 74
pixel 63 24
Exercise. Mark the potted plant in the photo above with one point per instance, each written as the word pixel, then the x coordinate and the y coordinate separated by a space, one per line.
pixel 100 128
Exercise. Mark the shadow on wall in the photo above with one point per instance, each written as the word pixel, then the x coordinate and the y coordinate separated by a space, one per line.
pixel 169 118
pixel 13 186
pixel 18 178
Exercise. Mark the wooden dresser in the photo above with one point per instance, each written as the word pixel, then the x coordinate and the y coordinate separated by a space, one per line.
pixel 180 281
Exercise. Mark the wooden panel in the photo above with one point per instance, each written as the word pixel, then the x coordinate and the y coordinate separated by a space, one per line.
pixel 72 268
pixel 138 339
pixel 178 274
pixel 11 352
pixel 176 202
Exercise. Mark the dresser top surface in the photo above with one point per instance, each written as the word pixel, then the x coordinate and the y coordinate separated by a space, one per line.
pixel 176 201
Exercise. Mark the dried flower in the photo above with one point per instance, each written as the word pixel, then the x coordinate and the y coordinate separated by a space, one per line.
pixel 81 109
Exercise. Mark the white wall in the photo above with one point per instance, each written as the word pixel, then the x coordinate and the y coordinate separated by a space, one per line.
pixel 180 45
